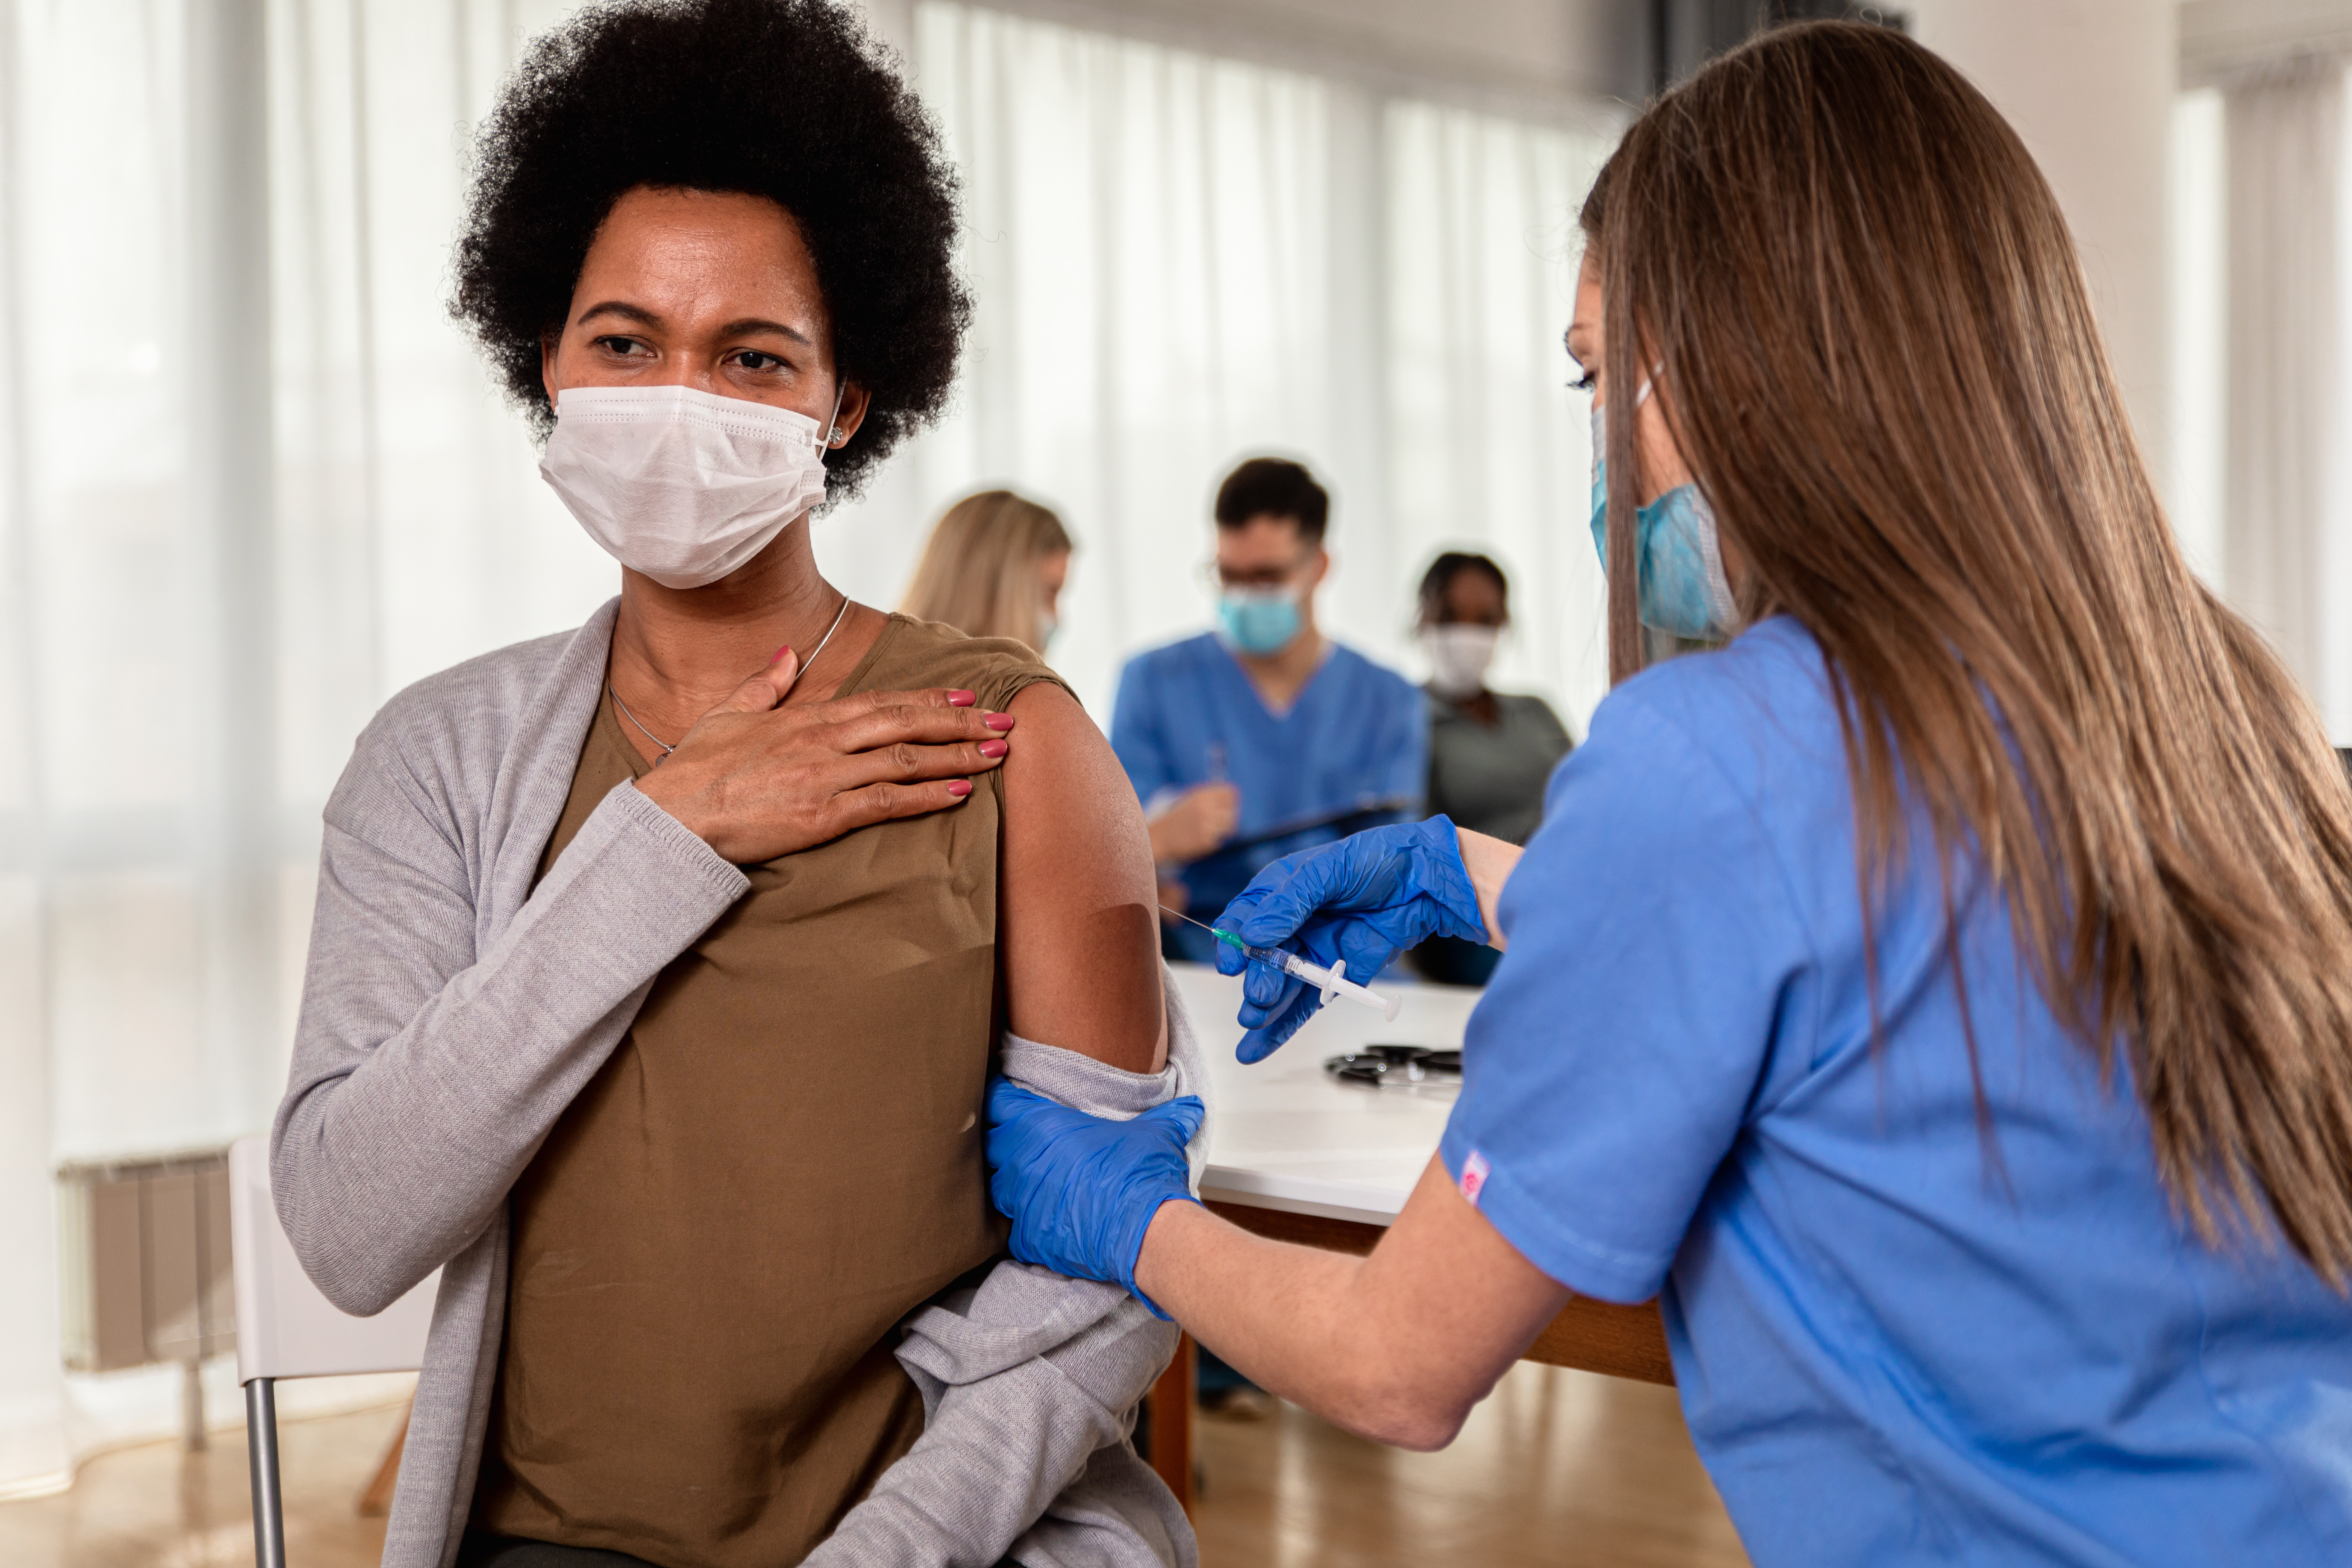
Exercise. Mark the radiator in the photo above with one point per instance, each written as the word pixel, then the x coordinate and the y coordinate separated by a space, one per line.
pixel 146 1263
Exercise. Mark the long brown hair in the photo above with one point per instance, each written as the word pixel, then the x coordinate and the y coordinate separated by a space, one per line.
pixel 979 571
pixel 1882 367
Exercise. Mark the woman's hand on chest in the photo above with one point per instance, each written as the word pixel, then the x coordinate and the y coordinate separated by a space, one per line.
pixel 755 781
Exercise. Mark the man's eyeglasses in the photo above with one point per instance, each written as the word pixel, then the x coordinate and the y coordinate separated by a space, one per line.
pixel 1218 579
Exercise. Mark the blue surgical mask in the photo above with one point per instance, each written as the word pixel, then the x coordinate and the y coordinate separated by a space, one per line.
pixel 1683 588
pixel 1258 620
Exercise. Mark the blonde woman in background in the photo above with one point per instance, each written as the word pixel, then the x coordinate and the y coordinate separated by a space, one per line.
pixel 994 568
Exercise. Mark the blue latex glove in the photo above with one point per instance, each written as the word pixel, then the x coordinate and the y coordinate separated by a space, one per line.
pixel 1364 899
pixel 1081 1190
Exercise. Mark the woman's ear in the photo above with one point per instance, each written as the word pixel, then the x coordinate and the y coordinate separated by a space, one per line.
pixel 548 344
pixel 855 401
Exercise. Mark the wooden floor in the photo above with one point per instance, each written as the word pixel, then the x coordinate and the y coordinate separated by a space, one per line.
pixel 1559 1468
pixel 154 1507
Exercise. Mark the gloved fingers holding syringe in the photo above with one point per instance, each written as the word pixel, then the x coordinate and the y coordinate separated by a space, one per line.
pixel 1357 902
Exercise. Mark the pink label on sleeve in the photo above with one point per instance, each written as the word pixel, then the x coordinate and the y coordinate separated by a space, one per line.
pixel 1474 1176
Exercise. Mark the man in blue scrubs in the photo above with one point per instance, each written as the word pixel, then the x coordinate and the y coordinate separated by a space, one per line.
pixel 1263 737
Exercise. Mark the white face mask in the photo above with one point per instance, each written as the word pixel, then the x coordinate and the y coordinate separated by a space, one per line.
pixel 1458 655
pixel 681 485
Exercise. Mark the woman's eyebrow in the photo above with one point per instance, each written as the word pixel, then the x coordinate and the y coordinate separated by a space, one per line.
pixel 622 309
pixel 745 327
pixel 751 324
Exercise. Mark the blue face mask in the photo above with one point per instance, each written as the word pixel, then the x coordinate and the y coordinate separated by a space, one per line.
pixel 1258 620
pixel 1683 590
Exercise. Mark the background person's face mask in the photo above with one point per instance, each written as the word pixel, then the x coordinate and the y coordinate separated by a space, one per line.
pixel 1258 620
pixel 681 485
pixel 1459 655
pixel 1683 588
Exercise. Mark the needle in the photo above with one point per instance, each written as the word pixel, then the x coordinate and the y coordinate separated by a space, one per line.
pixel 1332 981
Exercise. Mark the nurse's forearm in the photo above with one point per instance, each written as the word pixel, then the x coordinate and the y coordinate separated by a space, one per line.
pixel 1489 862
pixel 1397 1347
pixel 1270 1308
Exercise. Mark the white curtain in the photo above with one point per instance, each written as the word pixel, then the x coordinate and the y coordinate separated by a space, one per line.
pixel 2288 513
pixel 1489 446
pixel 252 480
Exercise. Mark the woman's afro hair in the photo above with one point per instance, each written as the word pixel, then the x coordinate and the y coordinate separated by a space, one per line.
pixel 783 99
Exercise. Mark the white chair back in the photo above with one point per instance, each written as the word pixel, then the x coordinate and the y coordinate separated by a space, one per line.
pixel 285 1328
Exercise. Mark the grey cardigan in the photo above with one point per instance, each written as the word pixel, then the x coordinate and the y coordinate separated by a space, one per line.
pixel 449 1014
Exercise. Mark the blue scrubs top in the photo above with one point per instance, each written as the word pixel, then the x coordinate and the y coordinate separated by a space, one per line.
pixel 1352 752
pixel 1890 1348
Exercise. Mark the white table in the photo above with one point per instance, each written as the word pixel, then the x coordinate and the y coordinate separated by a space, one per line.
pixel 1301 1156
pixel 1287 1135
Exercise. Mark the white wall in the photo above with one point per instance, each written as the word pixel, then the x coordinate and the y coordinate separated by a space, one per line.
pixel 2222 38
pixel 2196 474
pixel 2089 86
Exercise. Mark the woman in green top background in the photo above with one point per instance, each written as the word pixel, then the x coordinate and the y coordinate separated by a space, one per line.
pixel 1490 752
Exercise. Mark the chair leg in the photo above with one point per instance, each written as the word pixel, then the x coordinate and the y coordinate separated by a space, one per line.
pixel 1171 1423
pixel 261 1451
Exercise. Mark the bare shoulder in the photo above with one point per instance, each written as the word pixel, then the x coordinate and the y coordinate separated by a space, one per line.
pixel 1062 779
pixel 1046 710
pixel 1077 934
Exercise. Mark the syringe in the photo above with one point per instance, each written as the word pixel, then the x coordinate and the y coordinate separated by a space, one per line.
pixel 1332 981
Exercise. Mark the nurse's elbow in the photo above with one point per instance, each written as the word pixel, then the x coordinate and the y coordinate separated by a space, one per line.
pixel 1410 1413
pixel 1428 1435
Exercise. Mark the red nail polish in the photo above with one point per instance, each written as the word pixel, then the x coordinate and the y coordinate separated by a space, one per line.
pixel 1000 722
pixel 777 657
pixel 960 788
pixel 962 698
pixel 993 748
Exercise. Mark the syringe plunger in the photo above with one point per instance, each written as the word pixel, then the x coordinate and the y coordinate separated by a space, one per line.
pixel 1332 981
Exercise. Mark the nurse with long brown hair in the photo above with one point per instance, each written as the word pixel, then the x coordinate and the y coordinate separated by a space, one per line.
pixel 1939 998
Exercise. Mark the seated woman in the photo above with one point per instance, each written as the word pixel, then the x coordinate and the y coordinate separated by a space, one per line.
pixel 1490 752
pixel 657 967
pixel 994 568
